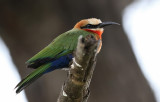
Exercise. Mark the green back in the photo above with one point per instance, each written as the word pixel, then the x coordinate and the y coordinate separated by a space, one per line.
pixel 64 44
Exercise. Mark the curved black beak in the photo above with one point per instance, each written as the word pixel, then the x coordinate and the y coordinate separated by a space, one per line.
pixel 103 24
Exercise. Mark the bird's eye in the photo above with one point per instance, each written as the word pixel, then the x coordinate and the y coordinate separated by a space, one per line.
pixel 88 26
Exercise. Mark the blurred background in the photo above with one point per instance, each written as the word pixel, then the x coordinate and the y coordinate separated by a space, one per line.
pixel 127 70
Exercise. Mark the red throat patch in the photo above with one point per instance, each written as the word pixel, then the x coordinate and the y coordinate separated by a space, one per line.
pixel 98 32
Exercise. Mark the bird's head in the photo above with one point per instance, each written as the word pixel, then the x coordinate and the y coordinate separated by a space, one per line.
pixel 93 25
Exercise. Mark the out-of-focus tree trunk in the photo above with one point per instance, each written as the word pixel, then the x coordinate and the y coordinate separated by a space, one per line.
pixel 27 26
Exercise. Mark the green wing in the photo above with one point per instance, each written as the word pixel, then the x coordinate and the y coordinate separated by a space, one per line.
pixel 62 45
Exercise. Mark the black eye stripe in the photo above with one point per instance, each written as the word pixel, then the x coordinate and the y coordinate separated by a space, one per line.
pixel 90 26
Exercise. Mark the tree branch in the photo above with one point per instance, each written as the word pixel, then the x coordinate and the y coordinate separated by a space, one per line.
pixel 76 87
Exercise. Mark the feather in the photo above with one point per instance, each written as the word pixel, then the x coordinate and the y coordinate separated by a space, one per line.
pixel 56 55
pixel 66 42
pixel 31 77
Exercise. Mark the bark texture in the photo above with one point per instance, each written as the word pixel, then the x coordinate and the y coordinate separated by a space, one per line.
pixel 76 87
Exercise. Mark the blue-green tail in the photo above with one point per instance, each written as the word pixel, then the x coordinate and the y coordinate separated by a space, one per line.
pixel 31 77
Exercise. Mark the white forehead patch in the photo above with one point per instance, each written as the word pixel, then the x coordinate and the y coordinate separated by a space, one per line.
pixel 94 21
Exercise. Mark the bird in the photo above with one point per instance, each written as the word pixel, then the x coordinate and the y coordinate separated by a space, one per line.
pixel 59 53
